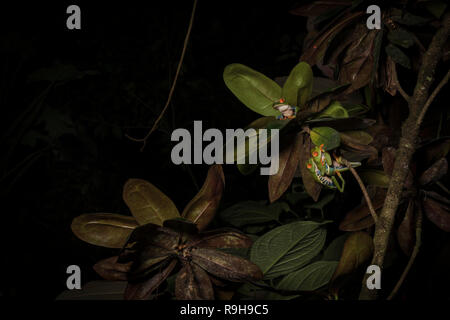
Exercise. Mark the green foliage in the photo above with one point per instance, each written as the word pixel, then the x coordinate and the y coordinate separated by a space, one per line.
pixel 327 136
pixel 288 248
pixel 298 86
pixel 252 88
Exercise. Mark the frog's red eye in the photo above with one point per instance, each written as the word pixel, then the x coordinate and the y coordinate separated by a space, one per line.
pixel 309 165
pixel 315 154
pixel 282 100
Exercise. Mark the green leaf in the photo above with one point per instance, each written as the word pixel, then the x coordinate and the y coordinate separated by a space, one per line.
pixel 287 248
pixel 253 212
pixel 147 203
pixel 359 136
pixel 327 136
pixel 401 38
pixel 375 177
pixel 334 110
pixel 252 88
pixel 398 56
pixel 334 250
pixel 298 86
pixel 436 8
pixel 309 278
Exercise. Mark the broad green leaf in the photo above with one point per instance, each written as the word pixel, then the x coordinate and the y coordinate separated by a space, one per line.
pixel 104 229
pixel 319 205
pixel 401 38
pixel 358 249
pixel 241 151
pixel 375 177
pixel 327 136
pixel 398 56
pixel 287 248
pixel 252 88
pixel 202 208
pixel 334 110
pixel 252 212
pixel 298 86
pixel 309 278
pixel 147 203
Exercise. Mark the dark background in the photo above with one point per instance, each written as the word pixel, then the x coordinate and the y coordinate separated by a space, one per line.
pixel 63 146
pixel 78 156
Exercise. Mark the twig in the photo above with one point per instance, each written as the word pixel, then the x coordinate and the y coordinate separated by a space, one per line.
pixel 397 84
pixel 363 189
pixel 432 96
pixel 169 98
pixel 413 255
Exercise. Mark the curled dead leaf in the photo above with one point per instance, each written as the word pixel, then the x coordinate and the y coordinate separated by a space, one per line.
pixel 109 269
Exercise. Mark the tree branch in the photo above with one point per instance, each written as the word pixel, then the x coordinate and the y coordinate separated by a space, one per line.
pixel 432 96
pixel 413 254
pixel 172 89
pixel 407 146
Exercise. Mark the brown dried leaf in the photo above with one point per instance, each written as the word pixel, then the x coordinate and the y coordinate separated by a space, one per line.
pixel 143 290
pixel 434 173
pixel 406 232
pixel 317 8
pixel 226 266
pixel 223 238
pixel 193 283
pixel 438 213
pixel 288 162
pixel 358 248
pixel 318 48
pixel 311 186
pixel 109 269
pixel 360 218
pixel 104 229
pixel 202 208
pixel 147 203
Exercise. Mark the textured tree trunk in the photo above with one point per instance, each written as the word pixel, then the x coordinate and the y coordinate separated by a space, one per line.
pixel 407 146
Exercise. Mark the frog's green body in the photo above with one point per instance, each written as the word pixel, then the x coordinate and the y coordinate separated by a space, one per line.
pixel 324 168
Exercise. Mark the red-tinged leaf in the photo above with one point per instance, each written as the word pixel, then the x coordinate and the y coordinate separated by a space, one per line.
pixel 311 186
pixel 223 238
pixel 317 8
pixel 360 218
pixel 357 65
pixel 387 76
pixel 226 266
pixel 143 290
pixel 353 145
pixel 437 196
pixel 202 208
pixel 316 51
pixel 358 248
pixel 288 162
pixel 193 283
pixel 434 173
pixel 433 151
pixel 109 269
pixel 406 231
pixel 437 213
